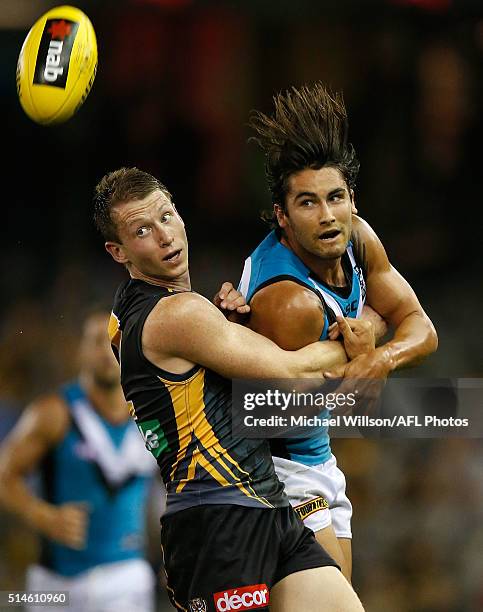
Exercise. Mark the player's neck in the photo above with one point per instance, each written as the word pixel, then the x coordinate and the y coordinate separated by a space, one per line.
pixel 108 401
pixel 180 283
pixel 330 271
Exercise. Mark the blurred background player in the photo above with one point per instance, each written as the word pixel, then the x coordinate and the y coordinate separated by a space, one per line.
pixel 313 271
pixel 96 477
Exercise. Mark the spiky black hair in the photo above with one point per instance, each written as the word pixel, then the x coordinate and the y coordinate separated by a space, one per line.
pixel 308 129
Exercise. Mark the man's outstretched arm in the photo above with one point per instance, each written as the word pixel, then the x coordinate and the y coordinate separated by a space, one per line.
pixel 186 329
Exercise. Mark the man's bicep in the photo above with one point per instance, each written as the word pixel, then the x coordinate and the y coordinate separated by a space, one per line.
pixel 195 330
pixel 287 313
pixel 389 293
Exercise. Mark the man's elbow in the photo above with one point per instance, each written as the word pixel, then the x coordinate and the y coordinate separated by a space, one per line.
pixel 432 337
pixel 426 334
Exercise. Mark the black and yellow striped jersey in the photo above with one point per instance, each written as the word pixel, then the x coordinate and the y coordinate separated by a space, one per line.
pixel 185 420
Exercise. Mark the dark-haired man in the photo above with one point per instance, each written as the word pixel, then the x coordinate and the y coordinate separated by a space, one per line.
pixel 96 476
pixel 230 538
pixel 309 279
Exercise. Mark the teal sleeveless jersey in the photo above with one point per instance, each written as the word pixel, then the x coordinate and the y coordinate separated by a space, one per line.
pixel 272 262
pixel 107 468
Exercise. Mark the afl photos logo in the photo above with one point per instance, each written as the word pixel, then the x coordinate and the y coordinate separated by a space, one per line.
pixel 53 58
pixel 197 605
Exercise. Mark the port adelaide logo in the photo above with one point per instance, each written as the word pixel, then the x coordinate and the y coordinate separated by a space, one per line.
pixel 52 66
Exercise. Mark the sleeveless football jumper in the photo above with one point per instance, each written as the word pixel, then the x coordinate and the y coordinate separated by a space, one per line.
pixel 104 466
pixel 272 262
pixel 185 419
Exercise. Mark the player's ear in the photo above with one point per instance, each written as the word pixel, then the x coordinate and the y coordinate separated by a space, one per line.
pixel 353 202
pixel 116 251
pixel 280 214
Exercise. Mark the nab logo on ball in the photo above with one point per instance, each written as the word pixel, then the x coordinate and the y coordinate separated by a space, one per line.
pixel 57 65
pixel 55 48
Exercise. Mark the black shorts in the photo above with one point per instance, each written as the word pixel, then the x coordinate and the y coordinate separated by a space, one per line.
pixel 226 557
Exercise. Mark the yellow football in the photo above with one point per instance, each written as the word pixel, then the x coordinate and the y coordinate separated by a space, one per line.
pixel 57 65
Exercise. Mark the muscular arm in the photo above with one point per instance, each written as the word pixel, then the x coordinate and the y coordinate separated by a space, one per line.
pixel 289 314
pixel 185 329
pixel 42 425
pixel 293 316
pixel 394 299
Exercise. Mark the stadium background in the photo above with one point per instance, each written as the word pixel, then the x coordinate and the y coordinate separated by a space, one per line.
pixel 176 81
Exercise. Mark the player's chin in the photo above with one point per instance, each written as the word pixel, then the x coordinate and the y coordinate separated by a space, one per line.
pixel 332 251
pixel 175 268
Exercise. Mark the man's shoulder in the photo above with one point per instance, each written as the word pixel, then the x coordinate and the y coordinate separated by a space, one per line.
pixel 135 300
pixel 176 312
pixel 368 248
pixel 364 233
pixel 182 303
pixel 289 296
pixel 49 414
pixel 178 323
pixel 273 263
pixel 288 313
pixel 53 403
pixel 362 227
pixel 133 290
pixel 268 243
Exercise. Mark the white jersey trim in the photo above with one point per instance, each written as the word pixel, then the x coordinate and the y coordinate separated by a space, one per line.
pixel 117 464
pixel 245 278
